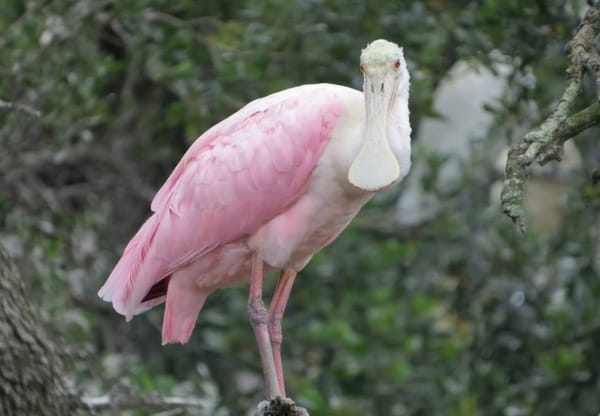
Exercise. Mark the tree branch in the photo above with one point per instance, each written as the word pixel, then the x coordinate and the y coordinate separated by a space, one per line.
pixel 8 105
pixel 127 402
pixel 280 407
pixel 545 142
pixel 578 122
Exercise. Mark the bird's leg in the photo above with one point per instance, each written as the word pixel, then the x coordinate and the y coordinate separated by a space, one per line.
pixel 278 304
pixel 259 318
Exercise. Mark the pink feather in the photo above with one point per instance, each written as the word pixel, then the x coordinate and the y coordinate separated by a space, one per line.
pixel 236 177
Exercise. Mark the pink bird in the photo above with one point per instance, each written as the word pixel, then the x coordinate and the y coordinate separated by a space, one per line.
pixel 264 190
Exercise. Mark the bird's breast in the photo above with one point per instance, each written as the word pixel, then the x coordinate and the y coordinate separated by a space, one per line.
pixel 312 222
pixel 328 203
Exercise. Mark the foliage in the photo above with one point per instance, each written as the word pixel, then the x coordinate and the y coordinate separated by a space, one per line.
pixel 460 316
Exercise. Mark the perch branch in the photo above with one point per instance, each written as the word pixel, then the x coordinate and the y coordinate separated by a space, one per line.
pixel 545 143
pixel 280 407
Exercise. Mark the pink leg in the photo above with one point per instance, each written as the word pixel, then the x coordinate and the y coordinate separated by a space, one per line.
pixel 278 304
pixel 259 318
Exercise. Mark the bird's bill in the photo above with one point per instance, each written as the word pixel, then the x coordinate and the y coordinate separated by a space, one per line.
pixel 375 166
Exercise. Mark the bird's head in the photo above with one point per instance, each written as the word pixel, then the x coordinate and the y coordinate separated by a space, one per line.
pixel 383 61
pixel 385 80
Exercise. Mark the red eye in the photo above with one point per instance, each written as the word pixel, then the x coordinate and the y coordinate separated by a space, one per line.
pixel 362 68
pixel 397 64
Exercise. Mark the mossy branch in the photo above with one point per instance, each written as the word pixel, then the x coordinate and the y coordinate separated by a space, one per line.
pixel 545 143
pixel 280 407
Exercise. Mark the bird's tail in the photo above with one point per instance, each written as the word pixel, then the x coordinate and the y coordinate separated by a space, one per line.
pixel 184 302
pixel 126 287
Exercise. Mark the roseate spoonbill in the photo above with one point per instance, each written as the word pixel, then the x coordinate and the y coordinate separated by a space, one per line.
pixel 264 190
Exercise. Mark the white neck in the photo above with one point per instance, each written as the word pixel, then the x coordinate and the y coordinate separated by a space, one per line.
pixel 377 164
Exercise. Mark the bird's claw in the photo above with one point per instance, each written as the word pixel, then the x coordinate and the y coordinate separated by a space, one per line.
pixel 280 406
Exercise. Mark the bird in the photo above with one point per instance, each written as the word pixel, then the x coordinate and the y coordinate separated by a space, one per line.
pixel 262 191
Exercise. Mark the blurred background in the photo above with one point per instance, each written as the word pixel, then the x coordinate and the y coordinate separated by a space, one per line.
pixel 431 303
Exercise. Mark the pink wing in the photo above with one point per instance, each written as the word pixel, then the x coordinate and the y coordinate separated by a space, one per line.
pixel 234 178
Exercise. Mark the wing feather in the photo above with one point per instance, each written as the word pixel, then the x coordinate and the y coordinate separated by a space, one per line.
pixel 233 179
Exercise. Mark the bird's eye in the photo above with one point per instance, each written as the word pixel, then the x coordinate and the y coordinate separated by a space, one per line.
pixel 397 64
pixel 362 68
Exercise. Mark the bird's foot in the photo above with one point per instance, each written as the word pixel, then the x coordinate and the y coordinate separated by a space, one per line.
pixel 280 406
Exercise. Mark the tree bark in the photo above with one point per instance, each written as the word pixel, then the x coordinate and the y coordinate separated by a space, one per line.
pixel 31 371
pixel 545 142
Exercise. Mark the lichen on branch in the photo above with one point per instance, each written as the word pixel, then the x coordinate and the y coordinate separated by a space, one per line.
pixel 545 143
pixel 280 406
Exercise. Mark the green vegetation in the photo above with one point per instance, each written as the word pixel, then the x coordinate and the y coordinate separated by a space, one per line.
pixel 459 315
